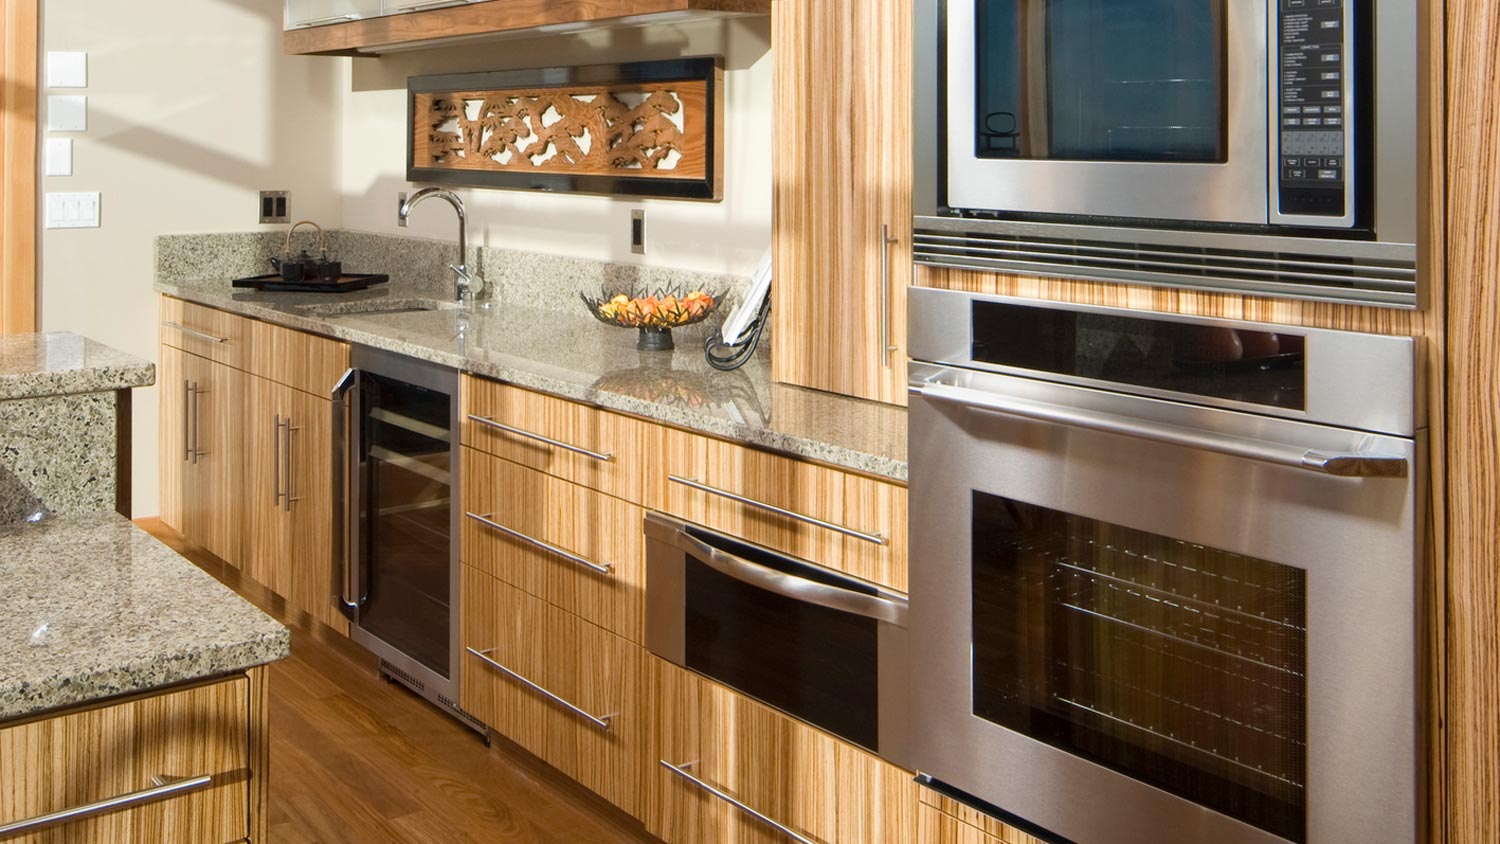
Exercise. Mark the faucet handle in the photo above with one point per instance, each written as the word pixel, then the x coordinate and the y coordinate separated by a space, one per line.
pixel 471 283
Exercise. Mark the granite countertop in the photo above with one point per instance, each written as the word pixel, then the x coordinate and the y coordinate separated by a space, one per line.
pixel 571 355
pixel 60 364
pixel 92 607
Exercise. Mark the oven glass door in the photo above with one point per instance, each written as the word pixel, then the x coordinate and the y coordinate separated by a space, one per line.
pixel 1143 108
pixel 1139 640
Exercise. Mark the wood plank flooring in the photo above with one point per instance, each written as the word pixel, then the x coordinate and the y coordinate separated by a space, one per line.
pixel 356 760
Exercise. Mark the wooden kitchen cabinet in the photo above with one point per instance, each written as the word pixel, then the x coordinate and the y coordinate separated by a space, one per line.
pixel 560 687
pixel 80 758
pixel 799 777
pixel 843 172
pixel 288 498
pixel 202 451
pixel 963 825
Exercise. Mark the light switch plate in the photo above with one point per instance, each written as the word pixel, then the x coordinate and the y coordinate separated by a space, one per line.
pixel 59 157
pixel 67 70
pixel 72 210
pixel 67 114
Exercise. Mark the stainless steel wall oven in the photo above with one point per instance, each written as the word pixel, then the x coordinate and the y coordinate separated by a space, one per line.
pixel 1166 573
pixel 1262 145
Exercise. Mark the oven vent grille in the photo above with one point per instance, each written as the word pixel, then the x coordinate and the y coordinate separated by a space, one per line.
pixel 1390 282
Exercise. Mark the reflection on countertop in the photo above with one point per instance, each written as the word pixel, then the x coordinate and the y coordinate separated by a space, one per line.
pixel 576 357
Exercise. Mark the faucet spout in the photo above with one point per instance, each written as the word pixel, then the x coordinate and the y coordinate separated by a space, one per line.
pixel 466 282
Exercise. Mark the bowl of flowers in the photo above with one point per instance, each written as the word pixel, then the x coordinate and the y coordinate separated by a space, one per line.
pixel 654 313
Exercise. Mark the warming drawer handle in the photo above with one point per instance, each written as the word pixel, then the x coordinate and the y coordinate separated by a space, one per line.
pixel 685 772
pixel 490 423
pixel 1264 451
pixel 602 722
pixel 886 608
pixel 872 538
pixel 174 788
pixel 177 326
pixel 488 521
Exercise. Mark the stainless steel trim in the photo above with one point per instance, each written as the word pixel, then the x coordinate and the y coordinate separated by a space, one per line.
pixel 276 458
pixel 104 807
pixel 193 332
pixel 344 399
pixel 1278 454
pixel 684 772
pixel 187 420
pixel 197 447
pixel 872 538
pixel 490 423
pixel 886 242
pixel 487 521
pixel 884 607
pixel 600 721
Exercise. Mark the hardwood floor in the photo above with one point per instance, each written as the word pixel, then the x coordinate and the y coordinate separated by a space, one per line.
pixel 356 760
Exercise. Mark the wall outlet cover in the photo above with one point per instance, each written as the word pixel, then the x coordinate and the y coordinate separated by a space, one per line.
pixel 67 70
pixel 59 157
pixel 67 114
pixel 72 210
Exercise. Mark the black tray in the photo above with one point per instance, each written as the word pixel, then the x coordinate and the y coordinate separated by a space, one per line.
pixel 276 284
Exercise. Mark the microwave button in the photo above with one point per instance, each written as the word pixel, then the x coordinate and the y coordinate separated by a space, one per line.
pixel 1333 162
pixel 1333 109
pixel 1292 110
pixel 1312 109
pixel 1312 121
pixel 1296 174
pixel 1333 121
pixel 1293 162
pixel 1333 58
pixel 1331 24
pixel 1293 121
pixel 1331 76
pixel 1332 94
pixel 1328 175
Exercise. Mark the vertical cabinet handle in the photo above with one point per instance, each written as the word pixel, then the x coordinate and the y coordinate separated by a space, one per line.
pixel 187 420
pixel 290 473
pixel 886 242
pixel 195 415
pixel 685 772
pixel 276 463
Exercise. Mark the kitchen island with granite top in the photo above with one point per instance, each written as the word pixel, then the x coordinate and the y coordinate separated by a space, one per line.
pixel 132 684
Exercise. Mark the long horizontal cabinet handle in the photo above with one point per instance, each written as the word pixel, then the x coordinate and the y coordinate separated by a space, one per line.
pixel 685 772
pixel 193 332
pixel 488 521
pixel 104 807
pixel 602 722
pixel 330 19
pixel 490 423
pixel 872 538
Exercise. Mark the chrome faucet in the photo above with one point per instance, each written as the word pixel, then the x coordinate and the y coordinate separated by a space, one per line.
pixel 467 284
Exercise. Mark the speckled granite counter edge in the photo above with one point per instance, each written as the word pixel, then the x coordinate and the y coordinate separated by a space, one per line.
pixel 531 375
pixel 93 379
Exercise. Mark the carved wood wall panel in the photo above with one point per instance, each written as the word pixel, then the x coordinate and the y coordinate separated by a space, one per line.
pixel 648 129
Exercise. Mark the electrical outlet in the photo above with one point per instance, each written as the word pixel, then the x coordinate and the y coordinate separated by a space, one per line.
pixel 274 207
pixel 400 204
pixel 638 232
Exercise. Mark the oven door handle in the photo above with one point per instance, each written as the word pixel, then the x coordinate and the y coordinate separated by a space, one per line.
pixel 890 609
pixel 1264 451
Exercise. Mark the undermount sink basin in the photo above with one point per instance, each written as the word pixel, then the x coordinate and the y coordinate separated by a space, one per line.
pixel 378 306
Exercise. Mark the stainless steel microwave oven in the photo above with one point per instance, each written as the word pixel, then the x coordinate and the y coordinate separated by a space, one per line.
pixel 1266 146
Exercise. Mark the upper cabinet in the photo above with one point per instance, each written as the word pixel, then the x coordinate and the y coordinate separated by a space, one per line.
pixel 343 27
pixel 843 195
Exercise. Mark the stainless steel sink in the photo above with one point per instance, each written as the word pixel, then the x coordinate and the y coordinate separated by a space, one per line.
pixel 370 307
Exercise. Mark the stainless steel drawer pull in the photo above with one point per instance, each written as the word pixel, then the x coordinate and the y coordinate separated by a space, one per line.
pixel 430 4
pixel 602 722
pixel 488 522
pixel 490 423
pixel 193 332
pixel 104 807
pixel 886 242
pixel 187 421
pixel 1263 451
pixel 872 538
pixel 685 772
pixel 330 19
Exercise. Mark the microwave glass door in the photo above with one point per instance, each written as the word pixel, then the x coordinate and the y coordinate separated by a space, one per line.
pixel 1179 665
pixel 1108 80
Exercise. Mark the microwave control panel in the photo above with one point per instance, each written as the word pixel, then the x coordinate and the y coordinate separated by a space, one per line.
pixel 1314 167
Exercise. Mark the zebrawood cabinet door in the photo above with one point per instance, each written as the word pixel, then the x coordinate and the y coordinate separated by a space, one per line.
pixel 842 232
pixel 78 759
pixel 942 820
pixel 172 438
pixel 202 454
pixel 560 687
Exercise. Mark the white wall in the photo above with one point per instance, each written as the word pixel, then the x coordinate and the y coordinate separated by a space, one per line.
pixel 192 110
pixel 729 236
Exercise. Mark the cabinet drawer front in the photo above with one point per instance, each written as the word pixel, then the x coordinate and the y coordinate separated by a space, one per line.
pixel 598 449
pixel 549 537
pixel 823 789
pixel 76 760
pixel 296 359
pixel 546 679
pixel 206 332
pixel 843 521
pixel 944 820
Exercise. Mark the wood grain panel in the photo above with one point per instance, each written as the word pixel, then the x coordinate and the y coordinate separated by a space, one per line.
pixel 1472 764
pixel 634 447
pixel 842 177
pixel 497 16
pixel 200 495
pixel 589 667
pixel 941 816
pixel 601 529
pixel 171 435
pixel 852 501
pixel 232 329
pixel 78 758
pixel 297 359
pixel 18 166
pixel 259 697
